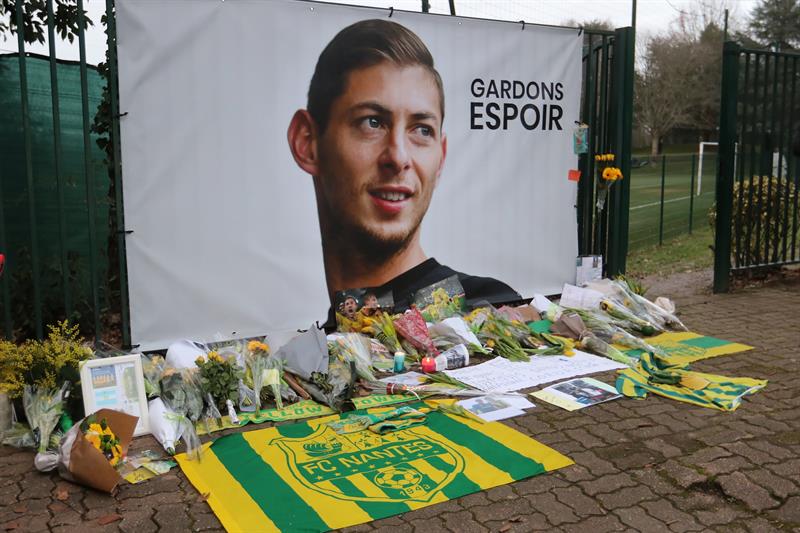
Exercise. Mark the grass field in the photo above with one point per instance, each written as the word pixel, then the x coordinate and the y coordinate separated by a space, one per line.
pixel 679 194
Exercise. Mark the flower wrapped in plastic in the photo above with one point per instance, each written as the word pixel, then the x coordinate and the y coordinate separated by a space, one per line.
pixel 411 325
pixel 43 408
pixel 453 331
pixel 353 347
pixel 153 368
pixel 607 176
pixel 183 396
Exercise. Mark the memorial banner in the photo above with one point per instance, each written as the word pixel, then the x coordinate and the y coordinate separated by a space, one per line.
pixel 227 181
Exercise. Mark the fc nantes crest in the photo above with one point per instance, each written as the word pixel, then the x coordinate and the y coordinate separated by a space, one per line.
pixel 306 477
pixel 400 466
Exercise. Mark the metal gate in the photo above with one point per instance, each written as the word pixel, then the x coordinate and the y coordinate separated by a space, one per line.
pixel 607 108
pixel 758 174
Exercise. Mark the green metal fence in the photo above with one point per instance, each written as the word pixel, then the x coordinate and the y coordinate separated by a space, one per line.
pixel 607 108
pixel 57 196
pixel 758 173
pixel 670 196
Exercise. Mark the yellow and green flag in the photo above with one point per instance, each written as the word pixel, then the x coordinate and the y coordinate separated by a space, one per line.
pixel 306 477
pixel 686 347
pixel 675 380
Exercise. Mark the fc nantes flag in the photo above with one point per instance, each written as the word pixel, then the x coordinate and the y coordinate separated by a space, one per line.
pixel 306 477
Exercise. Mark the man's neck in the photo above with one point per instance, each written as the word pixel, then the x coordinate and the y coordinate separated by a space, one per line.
pixel 349 269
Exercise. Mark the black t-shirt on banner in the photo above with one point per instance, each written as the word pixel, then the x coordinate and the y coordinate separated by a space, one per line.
pixel 476 289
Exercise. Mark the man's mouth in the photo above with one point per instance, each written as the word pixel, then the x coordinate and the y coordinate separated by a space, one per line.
pixel 390 200
pixel 391 196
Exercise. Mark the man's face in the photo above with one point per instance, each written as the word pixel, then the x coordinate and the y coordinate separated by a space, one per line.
pixel 349 308
pixel 381 155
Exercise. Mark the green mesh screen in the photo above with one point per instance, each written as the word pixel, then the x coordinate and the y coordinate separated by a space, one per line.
pixel 16 289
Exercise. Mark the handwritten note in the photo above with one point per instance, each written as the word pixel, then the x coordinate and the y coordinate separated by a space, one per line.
pixel 502 375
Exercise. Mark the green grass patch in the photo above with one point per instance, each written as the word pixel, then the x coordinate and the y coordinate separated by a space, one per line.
pixel 682 206
pixel 679 254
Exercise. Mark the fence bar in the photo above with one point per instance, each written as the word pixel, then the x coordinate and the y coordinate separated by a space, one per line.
pixel 26 126
pixel 691 195
pixel 87 174
pixel 742 160
pixel 118 199
pixel 769 230
pixel 796 170
pixel 782 198
pixel 62 224
pixel 765 153
pixel 8 327
pixel 727 150
pixel 750 189
pixel 586 182
pixel 622 141
pixel 661 203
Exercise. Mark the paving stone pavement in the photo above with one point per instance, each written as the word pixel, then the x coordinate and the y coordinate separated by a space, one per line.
pixel 649 465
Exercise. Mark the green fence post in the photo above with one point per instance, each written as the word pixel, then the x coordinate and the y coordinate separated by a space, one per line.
pixel 62 223
pixel 118 198
pixel 26 127
pixel 617 249
pixel 691 196
pixel 727 146
pixel 88 175
pixel 661 203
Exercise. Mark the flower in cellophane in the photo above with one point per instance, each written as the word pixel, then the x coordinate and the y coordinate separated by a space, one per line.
pixel 607 174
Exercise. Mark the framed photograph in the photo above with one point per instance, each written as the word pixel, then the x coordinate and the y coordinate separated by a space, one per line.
pixel 116 383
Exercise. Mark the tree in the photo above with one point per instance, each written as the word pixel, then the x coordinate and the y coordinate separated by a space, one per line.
pixel 661 88
pixel 34 19
pixel 777 23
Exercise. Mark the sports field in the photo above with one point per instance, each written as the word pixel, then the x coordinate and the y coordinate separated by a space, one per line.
pixel 679 195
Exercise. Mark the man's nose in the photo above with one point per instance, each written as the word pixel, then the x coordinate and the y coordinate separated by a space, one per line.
pixel 396 157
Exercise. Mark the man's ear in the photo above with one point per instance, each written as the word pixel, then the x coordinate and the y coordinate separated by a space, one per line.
pixel 302 137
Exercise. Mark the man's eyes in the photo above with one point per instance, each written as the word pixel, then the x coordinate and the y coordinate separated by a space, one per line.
pixel 426 131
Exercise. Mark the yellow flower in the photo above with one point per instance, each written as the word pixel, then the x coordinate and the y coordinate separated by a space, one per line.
pixel 214 356
pixel 612 173
pixel 256 346
pixel 199 361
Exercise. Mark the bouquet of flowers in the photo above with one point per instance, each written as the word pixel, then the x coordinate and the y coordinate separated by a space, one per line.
pixel 43 407
pixel 510 339
pixel 353 347
pixel 183 399
pixel 264 370
pixel 413 328
pixel 607 176
pixel 452 331
pixel 220 378
pixel 89 451
pixel 153 369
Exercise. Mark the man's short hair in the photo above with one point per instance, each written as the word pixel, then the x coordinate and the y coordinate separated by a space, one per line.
pixel 361 45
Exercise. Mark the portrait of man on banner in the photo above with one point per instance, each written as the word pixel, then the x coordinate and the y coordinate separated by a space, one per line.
pixel 372 139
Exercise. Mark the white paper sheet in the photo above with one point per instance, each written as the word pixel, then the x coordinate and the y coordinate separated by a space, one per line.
pixel 502 375
pixel 578 298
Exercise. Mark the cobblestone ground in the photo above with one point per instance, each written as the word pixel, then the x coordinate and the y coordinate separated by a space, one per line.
pixel 650 465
